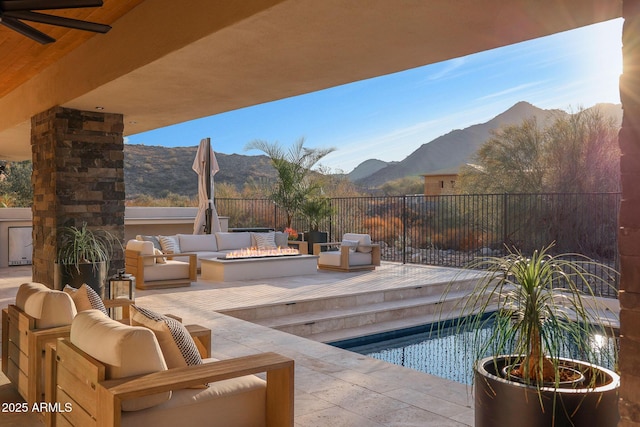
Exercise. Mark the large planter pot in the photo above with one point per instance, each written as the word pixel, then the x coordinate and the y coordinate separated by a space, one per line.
pixel 315 237
pixel 501 402
pixel 93 274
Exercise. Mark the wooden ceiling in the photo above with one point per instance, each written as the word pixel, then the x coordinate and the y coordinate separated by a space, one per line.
pixel 23 58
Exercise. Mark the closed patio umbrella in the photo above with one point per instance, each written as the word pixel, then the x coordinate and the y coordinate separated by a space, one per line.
pixel 206 166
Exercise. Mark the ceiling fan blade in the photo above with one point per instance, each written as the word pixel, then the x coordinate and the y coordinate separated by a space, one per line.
pixel 13 5
pixel 26 30
pixel 59 21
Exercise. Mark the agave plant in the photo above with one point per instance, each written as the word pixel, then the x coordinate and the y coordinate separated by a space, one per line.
pixel 541 302
pixel 81 245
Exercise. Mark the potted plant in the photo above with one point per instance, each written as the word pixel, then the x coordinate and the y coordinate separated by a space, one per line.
pixel 83 257
pixel 316 210
pixel 543 306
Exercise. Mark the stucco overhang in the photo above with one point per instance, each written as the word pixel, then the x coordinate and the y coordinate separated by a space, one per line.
pixel 166 62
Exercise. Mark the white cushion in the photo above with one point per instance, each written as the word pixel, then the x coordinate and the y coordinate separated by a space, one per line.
pixel 197 242
pixel 229 241
pixel 144 247
pixel 333 258
pixel 238 402
pixel 124 350
pixel 264 240
pixel 363 239
pixel 49 308
pixel 172 269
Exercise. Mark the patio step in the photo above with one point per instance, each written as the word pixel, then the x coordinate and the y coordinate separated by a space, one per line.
pixel 347 316
pixel 256 313
pixel 314 323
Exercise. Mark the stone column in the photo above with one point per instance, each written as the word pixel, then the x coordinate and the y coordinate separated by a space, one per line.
pixel 629 221
pixel 78 177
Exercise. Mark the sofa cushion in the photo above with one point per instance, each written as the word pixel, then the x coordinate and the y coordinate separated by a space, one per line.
pixel 85 298
pixel 177 346
pixel 170 244
pixel 333 258
pixel 144 247
pixel 230 241
pixel 263 240
pixel 172 269
pixel 363 239
pixel 124 350
pixel 238 402
pixel 197 242
pixel 49 308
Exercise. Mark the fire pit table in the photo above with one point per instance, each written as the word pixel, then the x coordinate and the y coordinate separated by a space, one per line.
pixel 262 267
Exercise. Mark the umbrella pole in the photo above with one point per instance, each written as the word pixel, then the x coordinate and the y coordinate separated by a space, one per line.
pixel 208 213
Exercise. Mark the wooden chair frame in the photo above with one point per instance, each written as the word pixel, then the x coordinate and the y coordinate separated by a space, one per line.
pixel 134 264
pixel 79 379
pixel 301 246
pixel 23 348
pixel 344 257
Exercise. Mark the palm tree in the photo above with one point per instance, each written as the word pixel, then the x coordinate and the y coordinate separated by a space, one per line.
pixel 293 167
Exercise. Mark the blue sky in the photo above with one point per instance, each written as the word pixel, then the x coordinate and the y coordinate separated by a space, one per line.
pixel 389 117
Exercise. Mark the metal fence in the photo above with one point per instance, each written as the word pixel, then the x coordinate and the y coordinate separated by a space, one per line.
pixel 454 230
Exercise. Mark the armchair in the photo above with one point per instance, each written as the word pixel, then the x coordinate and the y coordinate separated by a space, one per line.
pixel 39 316
pixel 153 270
pixel 355 253
pixel 121 379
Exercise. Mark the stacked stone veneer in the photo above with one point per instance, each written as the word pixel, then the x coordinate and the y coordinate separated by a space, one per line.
pixel 78 177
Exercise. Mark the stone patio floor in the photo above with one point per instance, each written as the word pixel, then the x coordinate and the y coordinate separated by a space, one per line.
pixel 333 387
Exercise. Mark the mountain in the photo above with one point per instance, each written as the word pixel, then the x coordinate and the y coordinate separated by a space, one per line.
pixel 367 168
pixel 156 171
pixel 453 149
pixel 456 148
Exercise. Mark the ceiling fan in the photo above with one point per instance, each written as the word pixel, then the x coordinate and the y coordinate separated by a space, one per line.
pixel 13 12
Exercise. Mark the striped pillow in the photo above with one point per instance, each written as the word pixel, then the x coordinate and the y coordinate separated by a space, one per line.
pixel 170 244
pixel 176 343
pixel 265 240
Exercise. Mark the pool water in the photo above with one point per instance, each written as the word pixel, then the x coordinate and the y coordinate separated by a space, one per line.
pixel 446 354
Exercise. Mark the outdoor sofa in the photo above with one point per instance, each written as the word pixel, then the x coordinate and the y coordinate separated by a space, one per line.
pixel 206 246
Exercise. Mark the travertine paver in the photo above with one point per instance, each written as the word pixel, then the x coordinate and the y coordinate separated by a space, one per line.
pixel 334 387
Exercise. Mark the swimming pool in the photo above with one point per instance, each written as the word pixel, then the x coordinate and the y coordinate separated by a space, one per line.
pixel 446 354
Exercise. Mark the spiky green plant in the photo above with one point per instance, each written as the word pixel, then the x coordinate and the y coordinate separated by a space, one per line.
pixel 540 302
pixel 83 245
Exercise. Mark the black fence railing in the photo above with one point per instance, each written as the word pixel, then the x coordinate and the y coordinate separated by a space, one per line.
pixel 454 230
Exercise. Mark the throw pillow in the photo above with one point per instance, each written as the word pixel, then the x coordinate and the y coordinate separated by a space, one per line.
pixel 176 344
pixel 152 239
pixel 162 260
pixel 352 244
pixel 169 244
pixel 265 240
pixel 85 298
pixel 282 239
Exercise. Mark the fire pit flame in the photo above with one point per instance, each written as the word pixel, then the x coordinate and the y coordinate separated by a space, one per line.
pixel 260 253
